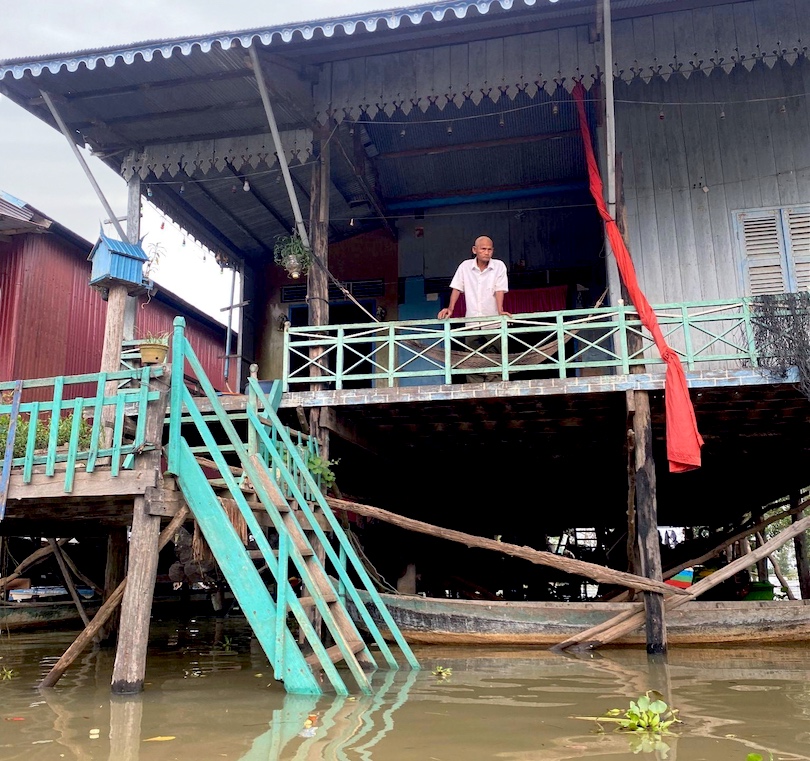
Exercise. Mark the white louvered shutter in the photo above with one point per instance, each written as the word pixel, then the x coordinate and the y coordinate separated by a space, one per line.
pixel 764 250
pixel 797 223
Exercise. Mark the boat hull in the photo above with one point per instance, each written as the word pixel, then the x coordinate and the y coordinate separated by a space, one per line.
pixel 425 620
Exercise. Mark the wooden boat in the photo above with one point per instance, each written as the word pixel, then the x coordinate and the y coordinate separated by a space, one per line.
pixel 21 616
pixel 435 621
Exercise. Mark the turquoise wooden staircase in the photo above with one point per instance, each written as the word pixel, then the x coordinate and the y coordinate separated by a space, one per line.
pixel 273 475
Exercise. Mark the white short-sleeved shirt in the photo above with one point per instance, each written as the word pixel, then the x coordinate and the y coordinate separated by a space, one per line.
pixel 479 287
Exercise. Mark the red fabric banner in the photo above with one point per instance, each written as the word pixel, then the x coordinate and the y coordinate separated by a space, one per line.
pixel 683 439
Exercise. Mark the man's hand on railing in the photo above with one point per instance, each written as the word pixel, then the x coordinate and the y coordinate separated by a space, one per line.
pixel 504 313
pixel 444 314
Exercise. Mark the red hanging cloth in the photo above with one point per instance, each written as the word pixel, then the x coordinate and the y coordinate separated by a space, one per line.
pixel 683 439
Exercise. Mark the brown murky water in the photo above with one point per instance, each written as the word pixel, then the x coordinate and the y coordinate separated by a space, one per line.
pixel 217 701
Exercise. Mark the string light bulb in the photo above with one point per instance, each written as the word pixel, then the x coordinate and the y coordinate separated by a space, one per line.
pixel 148 191
pixel 722 112
pixel 449 129
pixel 351 130
pixel 402 132
pixel 782 108
pixel 246 186
pixel 501 122
pixel 233 188
pixel 162 225
pixel 555 109
pixel 351 222
pixel 182 188
pixel 661 115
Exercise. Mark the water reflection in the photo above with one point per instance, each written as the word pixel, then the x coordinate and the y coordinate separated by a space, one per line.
pixel 306 727
pixel 215 698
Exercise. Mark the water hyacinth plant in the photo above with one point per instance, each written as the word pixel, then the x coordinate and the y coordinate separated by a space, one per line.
pixel 649 713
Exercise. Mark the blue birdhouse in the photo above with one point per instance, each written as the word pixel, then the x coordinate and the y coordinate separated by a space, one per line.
pixel 116 261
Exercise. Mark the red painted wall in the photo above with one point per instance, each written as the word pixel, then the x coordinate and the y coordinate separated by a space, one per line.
pixel 52 322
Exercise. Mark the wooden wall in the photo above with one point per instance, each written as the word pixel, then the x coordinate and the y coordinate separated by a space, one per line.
pixel 685 174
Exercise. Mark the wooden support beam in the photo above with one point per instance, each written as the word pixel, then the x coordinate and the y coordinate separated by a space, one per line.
pixel 69 585
pixel 95 484
pixel 335 423
pixel 539 557
pixel 130 655
pixel 481 145
pixel 647 522
pixel 106 610
pixel 35 557
pixel 114 572
pixel 800 545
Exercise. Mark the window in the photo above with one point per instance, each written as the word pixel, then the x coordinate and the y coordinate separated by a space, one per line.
pixel 775 247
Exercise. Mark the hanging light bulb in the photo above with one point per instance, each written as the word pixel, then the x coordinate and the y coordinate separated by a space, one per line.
pixel 148 191
pixel 722 112
pixel 501 122
pixel 233 188
pixel 661 114
pixel 782 108
pixel 182 188
pixel 402 132
pixel 293 266
pixel 162 225
pixel 449 129
pixel 246 186
pixel 184 241
pixel 351 130
pixel 555 109
pixel 351 222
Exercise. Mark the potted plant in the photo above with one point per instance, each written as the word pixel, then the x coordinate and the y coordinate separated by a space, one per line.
pixel 290 252
pixel 154 348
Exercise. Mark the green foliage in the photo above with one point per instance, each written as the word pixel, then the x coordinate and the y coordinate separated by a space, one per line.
pixel 7 674
pixel 290 252
pixel 758 757
pixel 649 713
pixel 442 672
pixel 321 468
pixel 161 339
pixel 43 427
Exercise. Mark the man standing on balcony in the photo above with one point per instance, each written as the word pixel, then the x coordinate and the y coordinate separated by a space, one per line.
pixel 484 283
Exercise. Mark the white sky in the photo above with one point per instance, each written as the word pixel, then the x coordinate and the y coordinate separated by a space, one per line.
pixel 36 163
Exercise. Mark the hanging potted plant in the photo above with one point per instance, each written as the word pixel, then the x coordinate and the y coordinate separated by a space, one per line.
pixel 154 348
pixel 290 252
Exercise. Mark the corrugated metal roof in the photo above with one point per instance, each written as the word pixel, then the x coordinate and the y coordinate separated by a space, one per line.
pixel 304 31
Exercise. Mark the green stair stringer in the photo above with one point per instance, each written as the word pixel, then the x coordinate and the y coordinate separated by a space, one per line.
pixel 347 556
pixel 278 643
pixel 278 568
pixel 245 582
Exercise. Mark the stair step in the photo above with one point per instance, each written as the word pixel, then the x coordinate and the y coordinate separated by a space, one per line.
pixel 309 602
pixel 335 654
pixel 306 552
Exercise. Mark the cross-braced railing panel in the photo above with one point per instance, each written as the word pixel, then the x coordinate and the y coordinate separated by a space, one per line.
pixel 59 433
pixel 546 344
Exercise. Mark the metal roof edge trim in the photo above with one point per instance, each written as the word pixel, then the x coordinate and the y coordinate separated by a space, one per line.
pixel 285 34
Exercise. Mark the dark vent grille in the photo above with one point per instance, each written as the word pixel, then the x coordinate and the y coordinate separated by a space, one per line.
pixel 358 288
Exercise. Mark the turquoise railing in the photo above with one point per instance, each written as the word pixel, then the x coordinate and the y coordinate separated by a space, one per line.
pixel 561 343
pixel 271 463
pixel 56 433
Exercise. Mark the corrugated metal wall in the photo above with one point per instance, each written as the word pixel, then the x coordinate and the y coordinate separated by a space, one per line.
pixel 52 322
pixel 681 236
pixel 10 290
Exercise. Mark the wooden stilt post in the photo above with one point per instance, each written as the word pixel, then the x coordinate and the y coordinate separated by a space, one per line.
pixel 134 235
pixel 136 607
pixel 318 287
pixel 800 544
pixel 114 572
pixel 647 521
